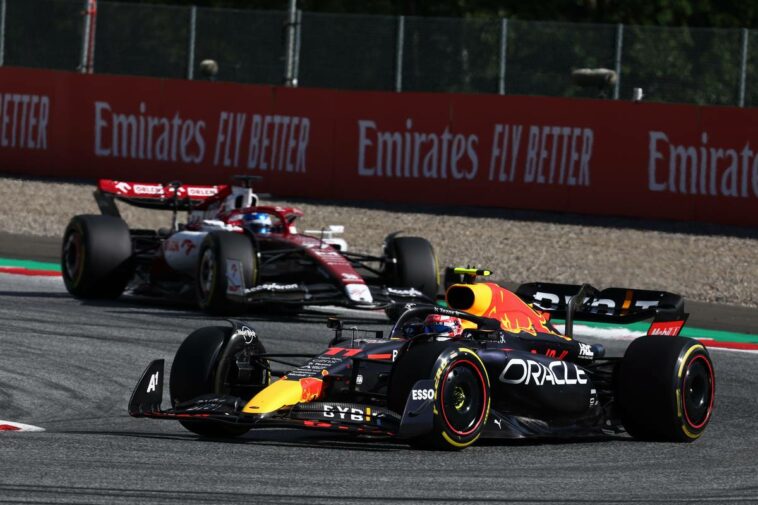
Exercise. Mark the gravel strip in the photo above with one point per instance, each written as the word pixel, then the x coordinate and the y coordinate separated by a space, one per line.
pixel 702 262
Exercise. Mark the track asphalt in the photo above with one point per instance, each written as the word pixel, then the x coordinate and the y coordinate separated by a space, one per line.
pixel 69 367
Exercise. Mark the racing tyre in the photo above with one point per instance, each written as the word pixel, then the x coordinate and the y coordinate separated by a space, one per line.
pixel 193 374
pixel 666 388
pixel 461 393
pixel 226 267
pixel 412 264
pixel 96 257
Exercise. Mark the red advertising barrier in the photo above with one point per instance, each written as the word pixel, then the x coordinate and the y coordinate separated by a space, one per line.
pixel 649 160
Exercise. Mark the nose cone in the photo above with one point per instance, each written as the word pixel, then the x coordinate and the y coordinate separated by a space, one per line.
pixel 284 393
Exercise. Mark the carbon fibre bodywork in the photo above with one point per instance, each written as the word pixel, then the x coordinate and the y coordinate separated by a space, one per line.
pixel 536 381
pixel 350 386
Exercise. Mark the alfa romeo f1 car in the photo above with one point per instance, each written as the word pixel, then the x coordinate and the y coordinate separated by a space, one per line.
pixel 232 253
pixel 508 373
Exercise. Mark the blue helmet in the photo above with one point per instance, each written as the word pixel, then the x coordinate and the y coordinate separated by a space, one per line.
pixel 258 222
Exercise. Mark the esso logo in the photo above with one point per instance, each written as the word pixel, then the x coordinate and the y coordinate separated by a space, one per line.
pixel 422 394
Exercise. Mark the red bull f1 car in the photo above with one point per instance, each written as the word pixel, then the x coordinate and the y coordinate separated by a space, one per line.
pixel 233 253
pixel 502 370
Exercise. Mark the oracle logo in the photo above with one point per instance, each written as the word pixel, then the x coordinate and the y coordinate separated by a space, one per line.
pixel 557 373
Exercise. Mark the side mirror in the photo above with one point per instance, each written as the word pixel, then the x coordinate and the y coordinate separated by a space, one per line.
pixel 334 323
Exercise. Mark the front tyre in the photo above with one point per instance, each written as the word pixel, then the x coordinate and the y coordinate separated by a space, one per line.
pixel 666 389
pixel 96 257
pixel 461 393
pixel 226 267
pixel 194 373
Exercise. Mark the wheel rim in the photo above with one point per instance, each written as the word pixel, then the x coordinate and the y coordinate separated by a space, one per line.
pixel 207 272
pixel 698 389
pixel 463 397
pixel 73 256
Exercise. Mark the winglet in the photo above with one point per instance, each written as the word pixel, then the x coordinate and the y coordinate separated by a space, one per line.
pixel 463 275
pixel 148 394
pixel 476 272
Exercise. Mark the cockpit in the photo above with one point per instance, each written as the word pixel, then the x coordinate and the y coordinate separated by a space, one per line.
pixel 265 221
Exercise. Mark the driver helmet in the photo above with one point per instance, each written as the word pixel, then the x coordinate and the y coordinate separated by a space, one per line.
pixel 443 326
pixel 258 222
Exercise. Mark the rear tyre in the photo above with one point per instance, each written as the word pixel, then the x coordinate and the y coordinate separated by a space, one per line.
pixel 227 266
pixel 412 264
pixel 96 257
pixel 461 393
pixel 666 389
pixel 193 374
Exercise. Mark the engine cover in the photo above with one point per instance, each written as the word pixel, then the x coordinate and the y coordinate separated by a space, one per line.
pixel 181 249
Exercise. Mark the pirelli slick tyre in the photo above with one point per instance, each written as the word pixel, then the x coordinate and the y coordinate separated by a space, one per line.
pixel 461 393
pixel 193 374
pixel 96 257
pixel 412 263
pixel 666 388
pixel 227 265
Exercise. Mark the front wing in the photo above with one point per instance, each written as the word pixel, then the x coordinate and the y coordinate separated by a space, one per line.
pixel 360 419
pixel 339 416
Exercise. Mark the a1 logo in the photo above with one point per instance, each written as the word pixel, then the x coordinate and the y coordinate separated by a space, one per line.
pixel 153 382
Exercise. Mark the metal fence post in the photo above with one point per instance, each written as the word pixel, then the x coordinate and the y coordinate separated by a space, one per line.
pixel 503 53
pixel 619 49
pixel 87 61
pixel 85 39
pixel 289 71
pixel 743 67
pixel 296 63
pixel 191 43
pixel 2 33
pixel 399 48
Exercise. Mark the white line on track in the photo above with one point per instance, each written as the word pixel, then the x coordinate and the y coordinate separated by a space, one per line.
pixel 625 334
pixel 581 330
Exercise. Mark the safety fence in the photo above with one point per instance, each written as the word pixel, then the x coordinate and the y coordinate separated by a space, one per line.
pixel 605 157
pixel 360 52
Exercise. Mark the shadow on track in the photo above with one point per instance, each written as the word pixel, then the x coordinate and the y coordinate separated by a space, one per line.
pixel 178 309
pixel 185 310
pixel 269 437
pixel 292 437
pixel 532 442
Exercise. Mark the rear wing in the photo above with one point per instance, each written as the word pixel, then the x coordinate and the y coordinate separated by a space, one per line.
pixel 173 196
pixel 611 305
